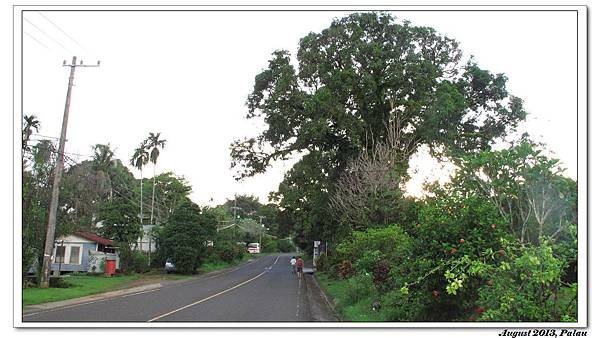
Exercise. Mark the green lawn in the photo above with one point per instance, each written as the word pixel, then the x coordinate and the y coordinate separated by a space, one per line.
pixel 213 266
pixel 81 286
pixel 359 311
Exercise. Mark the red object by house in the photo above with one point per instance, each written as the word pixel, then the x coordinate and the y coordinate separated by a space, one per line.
pixel 110 267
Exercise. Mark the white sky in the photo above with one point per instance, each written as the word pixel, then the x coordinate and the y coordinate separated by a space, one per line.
pixel 187 75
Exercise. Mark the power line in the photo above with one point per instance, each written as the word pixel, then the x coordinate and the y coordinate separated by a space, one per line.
pixel 73 163
pixel 34 134
pixel 160 206
pixel 60 29
pixel 48 35
pixel 36 40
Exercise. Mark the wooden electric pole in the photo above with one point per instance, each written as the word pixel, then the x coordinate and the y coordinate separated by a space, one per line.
pixel 50 230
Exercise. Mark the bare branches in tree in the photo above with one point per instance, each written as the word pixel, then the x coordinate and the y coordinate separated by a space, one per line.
pixel 375 173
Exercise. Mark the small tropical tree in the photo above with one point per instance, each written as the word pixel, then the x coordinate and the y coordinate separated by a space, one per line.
pixel 30 122
pixel 139 159
pixel 103 156
pixel 154 142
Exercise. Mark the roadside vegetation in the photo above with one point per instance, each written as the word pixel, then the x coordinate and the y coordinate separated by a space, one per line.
pixel 103 196
pixel 75 286
pixel 361 99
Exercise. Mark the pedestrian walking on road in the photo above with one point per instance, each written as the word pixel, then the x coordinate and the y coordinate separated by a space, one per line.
pixel 299 266
pixel 293 264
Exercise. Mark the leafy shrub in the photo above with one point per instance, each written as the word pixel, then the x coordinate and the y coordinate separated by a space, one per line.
pixel 323 262
pixel 268 245
pixel 358 288
pixel 381 275
pixel 59 282
pixel 229 252
pixel 186 260
pixel 126 257
pixel 391 242
pixel 284 245
pixel 185 235
pixel 526 287
pixel 139 262
pixel 345 269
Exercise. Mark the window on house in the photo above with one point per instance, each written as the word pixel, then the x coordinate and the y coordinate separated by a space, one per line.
pixel 74 257
pixel 60 254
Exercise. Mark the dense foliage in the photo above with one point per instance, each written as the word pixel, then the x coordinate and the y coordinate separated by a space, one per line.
pixel 463 259
pixel 351 80
pixel 185 237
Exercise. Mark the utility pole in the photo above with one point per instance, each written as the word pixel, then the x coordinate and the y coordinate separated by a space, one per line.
pixel 235 207
pixel 260 232
pixel 49 244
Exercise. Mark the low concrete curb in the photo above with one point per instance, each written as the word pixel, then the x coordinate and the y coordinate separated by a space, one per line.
pixel 321 308
pixel 88 299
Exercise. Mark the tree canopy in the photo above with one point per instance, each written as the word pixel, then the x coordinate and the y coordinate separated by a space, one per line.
pixel 352 79
pixel 184 238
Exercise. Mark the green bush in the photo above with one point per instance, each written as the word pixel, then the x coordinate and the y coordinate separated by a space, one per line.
pixel 526 287
pixel 139 262
pixel 183 238
pixel 358 288
pixel 186 260
pixel 269 245
pixel 229 252
pixel 345 269
pixel 59 282
pixel 126 258
pixel 284 245
pixel 390 242
pixel 323 263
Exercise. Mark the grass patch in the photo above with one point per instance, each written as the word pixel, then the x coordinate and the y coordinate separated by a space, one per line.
pixel 220 265
pixel 350 308
pixel 81 286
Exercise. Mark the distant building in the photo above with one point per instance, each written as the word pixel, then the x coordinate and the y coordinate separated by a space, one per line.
pixel 147 242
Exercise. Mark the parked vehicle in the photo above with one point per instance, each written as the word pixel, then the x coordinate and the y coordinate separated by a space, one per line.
pixel 170 266
pixel 253 248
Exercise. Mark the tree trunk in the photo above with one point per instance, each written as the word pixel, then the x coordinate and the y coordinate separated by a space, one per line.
pixel 141 193
pixel 152 206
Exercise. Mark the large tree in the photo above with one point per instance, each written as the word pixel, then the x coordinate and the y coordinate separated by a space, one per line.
pixel 352 79
pixel 185 236
pixel 170 190
pixel 37 188
pixel 86 186
pixel 247 205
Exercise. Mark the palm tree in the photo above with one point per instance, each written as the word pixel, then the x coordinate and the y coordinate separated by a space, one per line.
pixel 30 122
pixel 154 142
pixel 103 156
pixel 138 160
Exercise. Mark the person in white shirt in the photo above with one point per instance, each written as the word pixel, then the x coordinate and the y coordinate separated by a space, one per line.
pixel 293 263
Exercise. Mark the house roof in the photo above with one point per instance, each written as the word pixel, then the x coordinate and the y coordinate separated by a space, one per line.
pixel 94 237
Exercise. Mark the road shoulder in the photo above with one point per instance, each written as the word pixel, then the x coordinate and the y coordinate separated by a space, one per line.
pixel 321 307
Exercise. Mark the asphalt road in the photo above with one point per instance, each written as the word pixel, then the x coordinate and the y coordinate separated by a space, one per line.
pixel 264 290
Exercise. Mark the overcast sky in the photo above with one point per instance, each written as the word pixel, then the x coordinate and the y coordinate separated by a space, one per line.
pixel 187 75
